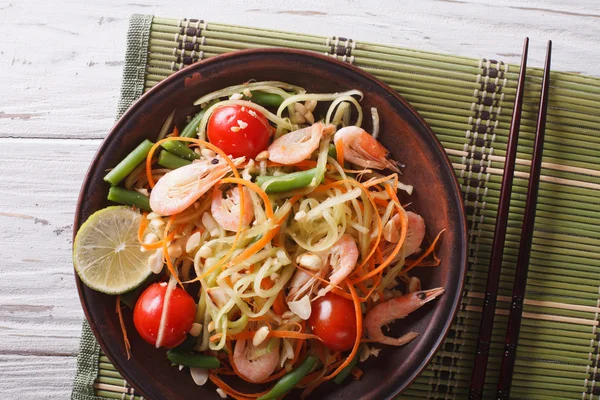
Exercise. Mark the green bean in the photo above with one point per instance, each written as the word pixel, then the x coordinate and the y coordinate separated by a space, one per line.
pixel 181 150
pixel 341 377
pixel 332 152
pixel 129 163
pixel 193 360
pixel 290 380
pixel 265 99
pixel 129 197
pixel 191 129
pixel 171 161
pixel 286 182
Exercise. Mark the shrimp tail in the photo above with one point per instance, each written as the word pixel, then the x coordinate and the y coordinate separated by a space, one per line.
pixel 401 341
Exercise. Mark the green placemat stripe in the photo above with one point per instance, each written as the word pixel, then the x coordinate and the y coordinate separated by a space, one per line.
pixel 468 103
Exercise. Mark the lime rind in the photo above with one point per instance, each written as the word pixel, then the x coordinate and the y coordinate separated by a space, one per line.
pixel 107 254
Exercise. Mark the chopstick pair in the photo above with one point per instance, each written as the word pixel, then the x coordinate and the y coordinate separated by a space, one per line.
pixel 491 292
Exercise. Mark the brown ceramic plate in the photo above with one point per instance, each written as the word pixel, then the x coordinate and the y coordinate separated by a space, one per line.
pixel 436 197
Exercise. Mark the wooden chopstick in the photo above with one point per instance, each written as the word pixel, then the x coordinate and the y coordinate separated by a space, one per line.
pixel 491 290
pixel 516 310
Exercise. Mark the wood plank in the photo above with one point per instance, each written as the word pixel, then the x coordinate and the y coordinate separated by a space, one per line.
pixel 39 183
pixel 36 377
pixel 66 82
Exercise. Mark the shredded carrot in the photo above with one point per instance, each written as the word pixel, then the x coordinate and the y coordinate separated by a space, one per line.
pixel 259 318
pixel 170 264
pixel 268 210
pixel 356 373
pixel 324 188
pixel 143 226
pixel 123 329
pixel 357 184
pixel 297 349
pixel 248 252
pixel 312 381
pixel 425 253
pixel 379 224
pixel 339 149
pixel 276 334
pixel 232 392
pixel 373 182
pixel 235 240
pixel 359 329
pixel 341 292
pixel 276 375
pixel 267 283
pixel 226 371
pixel 168 226
pixel 368 294
pixel 185 139
pixel 166 250
pixel 151 246
pixel 363 286
pixel 175 132
pixel 325 281
pixel 386 262
pixel 392 193
pixel 254 187
pixel 316 378
pixel 279 306
pixel 380 202
pixel 239 227
pixel 379 255
pixel 428 263
pixel 310 377
pixel 259 244
pixel 165 240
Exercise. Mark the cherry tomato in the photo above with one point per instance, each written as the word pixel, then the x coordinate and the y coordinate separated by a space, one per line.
pixel 238 131
pixel 180 315
pixel 333 320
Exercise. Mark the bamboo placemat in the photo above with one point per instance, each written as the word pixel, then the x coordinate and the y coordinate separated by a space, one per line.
pixel 468 103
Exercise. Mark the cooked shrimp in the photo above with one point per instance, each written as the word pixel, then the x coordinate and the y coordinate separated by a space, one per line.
pixel 298 145
pixel 180 188
pixel 363 149
pixel 343 256
pixel 414 236
pixel 301 284
pixel 255 369
pixel 397 308
pixel 226 211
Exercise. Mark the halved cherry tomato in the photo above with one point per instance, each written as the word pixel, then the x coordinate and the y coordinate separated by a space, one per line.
pixel 238 130
pixel 333 320
pixel 180 315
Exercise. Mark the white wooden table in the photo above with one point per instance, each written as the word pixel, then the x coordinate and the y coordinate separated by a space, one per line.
pixel 60 71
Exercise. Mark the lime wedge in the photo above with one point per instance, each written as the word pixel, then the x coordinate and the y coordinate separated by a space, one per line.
pixel 107 254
